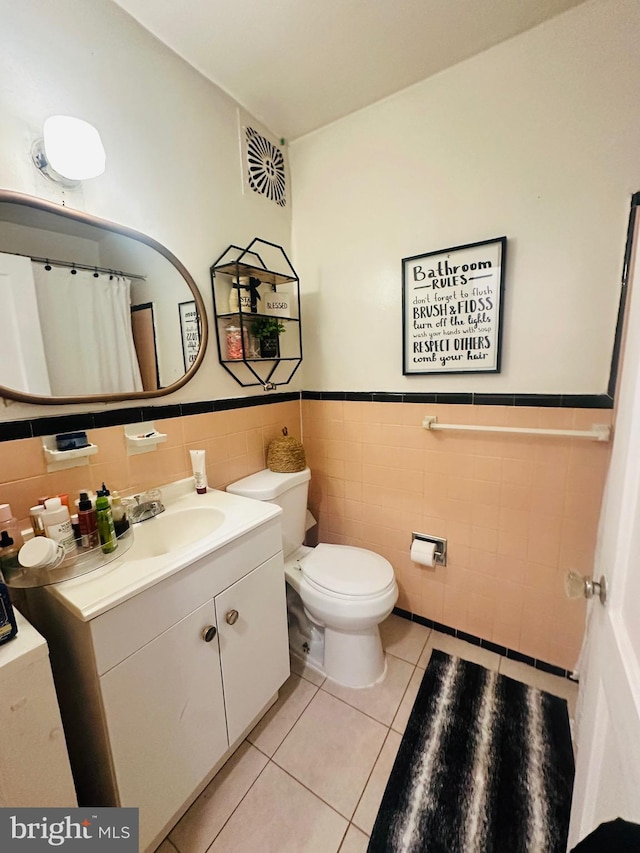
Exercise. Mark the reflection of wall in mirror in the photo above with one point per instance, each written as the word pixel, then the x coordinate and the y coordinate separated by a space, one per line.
pixel 164 286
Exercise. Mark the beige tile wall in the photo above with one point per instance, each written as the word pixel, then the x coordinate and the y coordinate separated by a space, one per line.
pixel 518 511
pixel 235 442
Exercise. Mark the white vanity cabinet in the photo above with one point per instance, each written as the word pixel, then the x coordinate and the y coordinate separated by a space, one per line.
pixel 165 716
pixel 157 691
pixel 251 644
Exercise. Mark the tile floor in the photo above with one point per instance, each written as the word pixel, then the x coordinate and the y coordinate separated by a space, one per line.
pixel 310 776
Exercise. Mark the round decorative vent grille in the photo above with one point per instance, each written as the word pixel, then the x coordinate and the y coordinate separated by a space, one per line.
pixel 265 167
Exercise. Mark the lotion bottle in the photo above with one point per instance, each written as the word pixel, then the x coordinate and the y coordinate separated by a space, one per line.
pixel 199 470
pixel 57 525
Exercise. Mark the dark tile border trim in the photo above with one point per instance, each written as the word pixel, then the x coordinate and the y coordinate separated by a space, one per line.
pixel 12 430
pixel 557 401
pixel 485 644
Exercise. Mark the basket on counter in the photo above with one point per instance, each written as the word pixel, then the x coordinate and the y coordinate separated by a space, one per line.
pixel 285 455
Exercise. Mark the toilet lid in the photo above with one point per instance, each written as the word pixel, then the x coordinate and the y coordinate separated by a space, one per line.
pixel 347 570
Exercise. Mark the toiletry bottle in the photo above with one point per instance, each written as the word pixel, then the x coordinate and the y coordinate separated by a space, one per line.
pixel 8 555
pixel 8 626
pixel 120 520
pixel 57 525
pixel 10 524
pixel 75 526
pixel 35 517
pixel 198 465
pixel 106 530
pixel 88 522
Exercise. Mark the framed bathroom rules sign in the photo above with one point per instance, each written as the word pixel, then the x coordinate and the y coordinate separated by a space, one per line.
pixel 452 309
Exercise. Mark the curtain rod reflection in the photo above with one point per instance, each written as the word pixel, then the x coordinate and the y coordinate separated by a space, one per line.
pixel 90 267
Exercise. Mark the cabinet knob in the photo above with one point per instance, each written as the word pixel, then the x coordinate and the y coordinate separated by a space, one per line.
pixel 209 633
pixel 231 617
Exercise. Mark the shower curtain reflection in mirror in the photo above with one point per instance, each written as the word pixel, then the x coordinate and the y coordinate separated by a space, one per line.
pixel 86 331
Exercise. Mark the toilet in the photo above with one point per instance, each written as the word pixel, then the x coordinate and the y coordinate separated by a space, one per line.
pixel 337 595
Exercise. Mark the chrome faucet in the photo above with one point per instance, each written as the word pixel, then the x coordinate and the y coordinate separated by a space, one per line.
pixel 147 505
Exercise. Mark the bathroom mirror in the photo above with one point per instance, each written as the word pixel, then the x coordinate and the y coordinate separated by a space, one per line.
pixel 92 311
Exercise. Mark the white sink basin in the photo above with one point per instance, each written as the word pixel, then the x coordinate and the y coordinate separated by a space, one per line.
pixel 191 527
pixel 171 531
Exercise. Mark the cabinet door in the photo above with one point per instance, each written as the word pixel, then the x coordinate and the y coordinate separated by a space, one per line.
pixel 254 649
pixel 165 717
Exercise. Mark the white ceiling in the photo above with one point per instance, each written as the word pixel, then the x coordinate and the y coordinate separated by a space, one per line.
pixel 297 65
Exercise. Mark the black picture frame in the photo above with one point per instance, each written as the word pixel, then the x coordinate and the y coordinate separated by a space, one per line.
pixel 452 307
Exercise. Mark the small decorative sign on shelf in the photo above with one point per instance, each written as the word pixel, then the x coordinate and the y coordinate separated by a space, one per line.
pixel 277 304
pixel 452 309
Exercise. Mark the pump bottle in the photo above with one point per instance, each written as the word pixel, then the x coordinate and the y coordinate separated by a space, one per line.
pixel 106 529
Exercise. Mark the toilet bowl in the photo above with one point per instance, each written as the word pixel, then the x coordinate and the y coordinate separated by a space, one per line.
pixel 348 592
pixel 345 592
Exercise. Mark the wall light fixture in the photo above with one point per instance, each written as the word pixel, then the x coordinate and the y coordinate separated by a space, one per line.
pixel 70 151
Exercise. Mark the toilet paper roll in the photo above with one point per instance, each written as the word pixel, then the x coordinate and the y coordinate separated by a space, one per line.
pixel 423 552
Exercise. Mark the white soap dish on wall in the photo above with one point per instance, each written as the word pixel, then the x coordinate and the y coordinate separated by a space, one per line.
pixel 142 437
pixel 58 460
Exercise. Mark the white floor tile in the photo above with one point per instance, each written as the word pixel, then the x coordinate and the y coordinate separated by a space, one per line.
pixel 519 671
pixel 295 695
pixel 401 718
pixel 354 841
pixel 332 753
pixel 403 638
pixel 382 700
pixel 554 684
pixel 279 815
pixel 367 811
pixel 215 805
pixel 167 847
pixel 558 686
pixel 455 646
pixel 332 750
pixel 299 667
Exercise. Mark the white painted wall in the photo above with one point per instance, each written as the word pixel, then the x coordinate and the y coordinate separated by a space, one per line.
pixel 537 139
pixel 172 142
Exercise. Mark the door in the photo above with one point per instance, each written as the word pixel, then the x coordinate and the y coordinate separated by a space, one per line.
pixel 607 783
pixel 254 643
pixel 165 717
pixel 144 340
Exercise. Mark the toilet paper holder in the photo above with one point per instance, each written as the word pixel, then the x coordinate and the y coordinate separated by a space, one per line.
pixel 440 554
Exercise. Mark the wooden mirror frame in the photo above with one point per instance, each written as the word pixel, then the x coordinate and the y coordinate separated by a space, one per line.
pixel 10 197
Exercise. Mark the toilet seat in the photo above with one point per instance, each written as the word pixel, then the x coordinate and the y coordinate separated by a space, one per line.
pixel 343 570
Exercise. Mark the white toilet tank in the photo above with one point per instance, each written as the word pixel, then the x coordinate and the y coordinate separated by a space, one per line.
pixel 288 491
